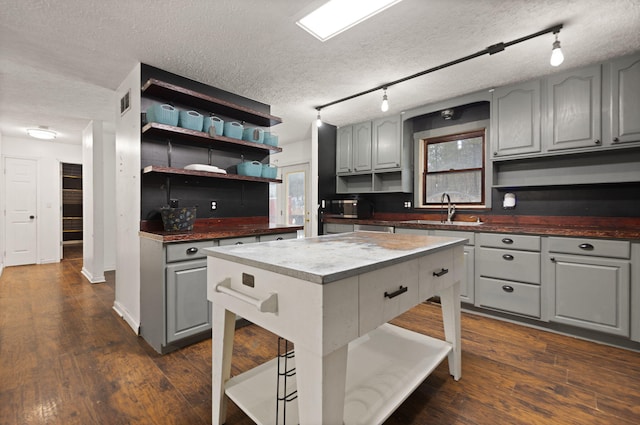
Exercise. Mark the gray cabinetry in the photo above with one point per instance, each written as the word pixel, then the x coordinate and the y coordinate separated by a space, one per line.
pixel 387 143
pixel 174 310
pixel 508 273
pixel 372 157
pixel 623 94
pixel 187 312
pixel 589 283
pixel 333 228
pixel 516 119
pixel 344 150
pixel 574 109
pixel 353 150
pixel 362 147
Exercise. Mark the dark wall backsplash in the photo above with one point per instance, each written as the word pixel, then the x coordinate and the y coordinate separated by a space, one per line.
pixel 234 198
pixel 595 200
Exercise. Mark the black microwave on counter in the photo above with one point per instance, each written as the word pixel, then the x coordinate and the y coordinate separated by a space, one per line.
pixel 350 208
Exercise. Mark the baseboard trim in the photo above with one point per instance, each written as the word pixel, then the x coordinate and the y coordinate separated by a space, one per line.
pixel 91 278
pixel 124 314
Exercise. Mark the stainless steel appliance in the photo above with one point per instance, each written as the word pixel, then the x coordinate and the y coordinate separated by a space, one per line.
pixel 350 208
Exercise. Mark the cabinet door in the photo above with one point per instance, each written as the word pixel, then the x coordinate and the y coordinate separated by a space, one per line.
pixel 188 310
pixel 574 109
pixel 344 145
pixel 590 292
pixel 362 146
pixel 387 143
pixel 625 100
pixel 516 119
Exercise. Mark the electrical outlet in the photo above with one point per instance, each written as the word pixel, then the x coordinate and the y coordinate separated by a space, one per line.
pixel 214 205
pixel 407 204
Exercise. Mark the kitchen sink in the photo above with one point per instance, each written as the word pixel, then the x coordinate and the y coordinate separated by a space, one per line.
pixel 438 222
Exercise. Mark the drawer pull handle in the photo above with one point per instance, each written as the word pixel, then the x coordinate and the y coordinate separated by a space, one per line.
pixel 192 250
pixel 508 257
pixel 239 243
pixel 441 272
pixel 507 288
pixel 586 246
pixel 266 305
pixel 508 241
pixel 279 238
pixel 394 294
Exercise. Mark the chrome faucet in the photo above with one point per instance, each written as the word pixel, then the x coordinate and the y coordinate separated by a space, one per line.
pixel 451 209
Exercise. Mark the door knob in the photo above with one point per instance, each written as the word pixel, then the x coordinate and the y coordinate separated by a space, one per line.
pixel 31 217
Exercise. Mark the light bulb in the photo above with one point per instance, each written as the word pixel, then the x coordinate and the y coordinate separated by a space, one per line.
pixel 556 54
pixel 318 120
pixel 385 102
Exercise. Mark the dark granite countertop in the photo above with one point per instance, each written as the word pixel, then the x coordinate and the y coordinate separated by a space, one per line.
pixel 219 231
pixel 613 227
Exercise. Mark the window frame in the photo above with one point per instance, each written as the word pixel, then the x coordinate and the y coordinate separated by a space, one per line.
pixel 465 134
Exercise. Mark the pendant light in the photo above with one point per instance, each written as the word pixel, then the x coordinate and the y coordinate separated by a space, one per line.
pixel 384 107
pixel 318 119
pixel 556 54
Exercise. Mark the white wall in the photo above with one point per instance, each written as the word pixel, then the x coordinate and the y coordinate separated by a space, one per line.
pixel 109 158
pixel 1 209
pixel 127 185
pixel 49 155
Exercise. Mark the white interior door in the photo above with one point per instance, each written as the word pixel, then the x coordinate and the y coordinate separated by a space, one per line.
pixel 20 206
pixel 293 197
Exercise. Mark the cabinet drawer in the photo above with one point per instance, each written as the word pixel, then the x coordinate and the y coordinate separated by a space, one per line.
pixel 387 293
pixel 410 231
pixel 187 250
pixel 470 236
pixel 278 237
pixel 523 266
pixel 438 271
pixel 595 247
pixel 337 228
pixel 502 240
pixel 514 297
pixel 238 241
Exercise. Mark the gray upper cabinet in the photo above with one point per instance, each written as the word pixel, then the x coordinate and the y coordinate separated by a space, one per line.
pixel 624 98
pixel 516 119
pixel 387 143
pixel 344 150
pixel 574 109
pixel 362 147
pixel 353 150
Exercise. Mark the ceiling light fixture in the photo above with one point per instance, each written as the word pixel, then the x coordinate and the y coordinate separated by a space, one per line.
pixel 556 53
pixel 491 50
pixel 42 132
pixel 318 119
pixel 384 107
pixel 336 16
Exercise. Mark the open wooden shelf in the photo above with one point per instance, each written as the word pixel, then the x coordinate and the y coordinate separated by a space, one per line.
pixel 178 134
pixel 183 172
pixel 383 368
pixel 171 92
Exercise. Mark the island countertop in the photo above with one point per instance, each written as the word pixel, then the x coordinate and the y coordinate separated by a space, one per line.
pixel 328 258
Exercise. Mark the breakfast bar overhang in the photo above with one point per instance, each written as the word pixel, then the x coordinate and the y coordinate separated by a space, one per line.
pixel 332 297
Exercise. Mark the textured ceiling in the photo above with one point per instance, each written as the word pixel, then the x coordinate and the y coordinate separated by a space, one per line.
pixel 60 61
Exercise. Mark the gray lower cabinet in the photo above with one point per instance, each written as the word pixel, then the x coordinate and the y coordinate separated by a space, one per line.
pixel 332 228
pixel 589 283
pixel 508 273
pixel 187 312
pixel 174 309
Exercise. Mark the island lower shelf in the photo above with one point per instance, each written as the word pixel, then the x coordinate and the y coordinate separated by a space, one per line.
pixel 383 368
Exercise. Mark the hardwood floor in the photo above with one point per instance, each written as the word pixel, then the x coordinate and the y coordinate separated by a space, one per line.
pixel 67 358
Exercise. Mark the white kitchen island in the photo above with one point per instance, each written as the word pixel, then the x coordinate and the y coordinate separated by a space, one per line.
pixel 332 296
